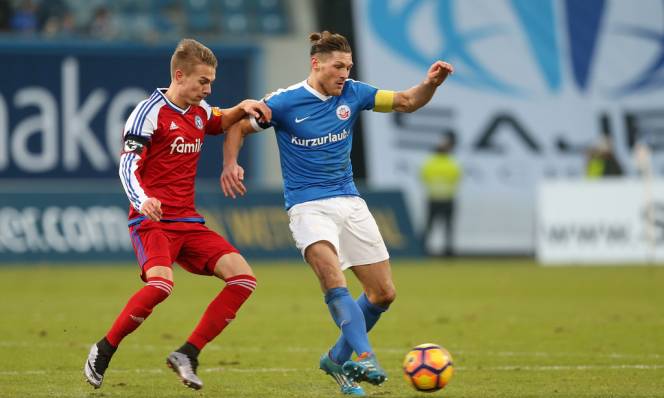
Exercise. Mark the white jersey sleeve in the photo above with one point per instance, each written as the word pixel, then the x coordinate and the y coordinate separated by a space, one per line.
pixel 143 119
pixel 140 126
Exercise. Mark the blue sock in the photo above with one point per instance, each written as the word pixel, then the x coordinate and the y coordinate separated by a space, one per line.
pixel 342 351
pixel 348 316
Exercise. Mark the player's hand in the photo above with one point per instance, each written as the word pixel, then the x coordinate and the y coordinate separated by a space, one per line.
pixel 257 109
pixel 151 208
pixel 438 72
pixel 231 180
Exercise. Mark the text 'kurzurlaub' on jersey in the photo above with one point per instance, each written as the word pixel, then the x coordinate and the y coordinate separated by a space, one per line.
pixel 315 135
pixel 320 140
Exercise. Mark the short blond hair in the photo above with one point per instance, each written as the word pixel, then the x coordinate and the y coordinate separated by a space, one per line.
pixel 190 53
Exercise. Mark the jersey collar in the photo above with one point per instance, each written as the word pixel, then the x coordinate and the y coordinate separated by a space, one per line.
pixel 315 92
pixel 162 92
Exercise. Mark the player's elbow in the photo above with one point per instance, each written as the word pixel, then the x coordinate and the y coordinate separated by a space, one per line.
pixel 242 128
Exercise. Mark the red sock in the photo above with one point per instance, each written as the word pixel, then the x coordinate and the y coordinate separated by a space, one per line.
pixel 222 309
pixel 138 308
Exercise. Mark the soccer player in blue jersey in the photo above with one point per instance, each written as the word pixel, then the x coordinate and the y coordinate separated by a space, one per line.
pixel 330 223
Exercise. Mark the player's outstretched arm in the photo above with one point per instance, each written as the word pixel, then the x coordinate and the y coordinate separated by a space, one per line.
pixel 249 107
pixel 416 97
pixel 232 176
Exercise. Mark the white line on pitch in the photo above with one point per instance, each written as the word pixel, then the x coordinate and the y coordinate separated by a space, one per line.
pixel 542 368
pixel 392 350
pixel 530 368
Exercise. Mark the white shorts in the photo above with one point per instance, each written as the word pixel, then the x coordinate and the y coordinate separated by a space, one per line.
pixel 345 222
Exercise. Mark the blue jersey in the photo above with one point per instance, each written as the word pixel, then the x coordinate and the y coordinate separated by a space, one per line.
pixel 315 136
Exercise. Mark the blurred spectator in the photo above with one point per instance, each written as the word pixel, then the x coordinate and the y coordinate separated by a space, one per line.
pixel 441 174
pixel 601 159
pixel 170 21
pixel 24 19
pixel 147 21
pixel 5 15
pixel 102 25
pixel 55 19
pixel 50 9
pixel 643 159
pixel 63 26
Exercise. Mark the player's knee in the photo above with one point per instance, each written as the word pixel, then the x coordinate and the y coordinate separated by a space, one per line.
pixel 390 296
pixel 383 297
pixel 158 271
pixel 162 289
pixel 231 265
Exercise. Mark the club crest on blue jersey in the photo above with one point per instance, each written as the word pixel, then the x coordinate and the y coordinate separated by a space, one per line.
pixel 199 122
pixel 343 112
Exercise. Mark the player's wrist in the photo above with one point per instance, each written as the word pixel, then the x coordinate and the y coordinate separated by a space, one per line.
pixel 431 83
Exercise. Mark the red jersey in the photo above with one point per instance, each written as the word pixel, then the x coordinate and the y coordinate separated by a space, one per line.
pixel 162 144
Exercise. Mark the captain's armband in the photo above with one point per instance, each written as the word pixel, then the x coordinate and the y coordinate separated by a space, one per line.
pixel 384 101
pixel 258 125
pixel 134 143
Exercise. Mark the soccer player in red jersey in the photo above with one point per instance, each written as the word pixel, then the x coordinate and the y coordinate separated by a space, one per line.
pixel 162 141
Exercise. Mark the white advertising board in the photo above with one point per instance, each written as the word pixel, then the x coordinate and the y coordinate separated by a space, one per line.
pixel 535 83
pixel 614 221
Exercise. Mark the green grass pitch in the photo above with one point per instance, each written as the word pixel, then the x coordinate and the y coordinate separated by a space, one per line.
pixel 514 329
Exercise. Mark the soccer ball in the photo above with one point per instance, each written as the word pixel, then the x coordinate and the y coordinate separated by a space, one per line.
pixel 428 367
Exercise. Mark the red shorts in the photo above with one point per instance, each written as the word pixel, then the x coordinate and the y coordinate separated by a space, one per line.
pixel 193 246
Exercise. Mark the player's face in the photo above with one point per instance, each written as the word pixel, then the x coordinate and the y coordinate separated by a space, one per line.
pixel 332 70
pixel 197 85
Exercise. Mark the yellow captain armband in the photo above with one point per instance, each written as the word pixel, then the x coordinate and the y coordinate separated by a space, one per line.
pixel 384 101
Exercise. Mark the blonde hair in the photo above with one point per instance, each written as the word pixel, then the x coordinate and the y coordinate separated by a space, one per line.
pixel 327 42
pixel 190 53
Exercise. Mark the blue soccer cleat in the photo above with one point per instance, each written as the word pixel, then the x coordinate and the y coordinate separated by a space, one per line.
pixel 347 386
pixel 366 368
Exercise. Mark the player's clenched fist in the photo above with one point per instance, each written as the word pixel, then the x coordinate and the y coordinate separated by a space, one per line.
pixel 151 208
pixel 257 109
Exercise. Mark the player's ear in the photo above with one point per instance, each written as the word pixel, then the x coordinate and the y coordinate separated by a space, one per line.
pixel 315 63
pixel 178 75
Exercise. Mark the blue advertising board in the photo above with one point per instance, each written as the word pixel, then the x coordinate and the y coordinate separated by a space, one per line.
pixel 63 107
pixel 88 223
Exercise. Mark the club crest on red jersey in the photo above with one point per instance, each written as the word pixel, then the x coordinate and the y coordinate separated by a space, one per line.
pixel 199 122
pixel 343 112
